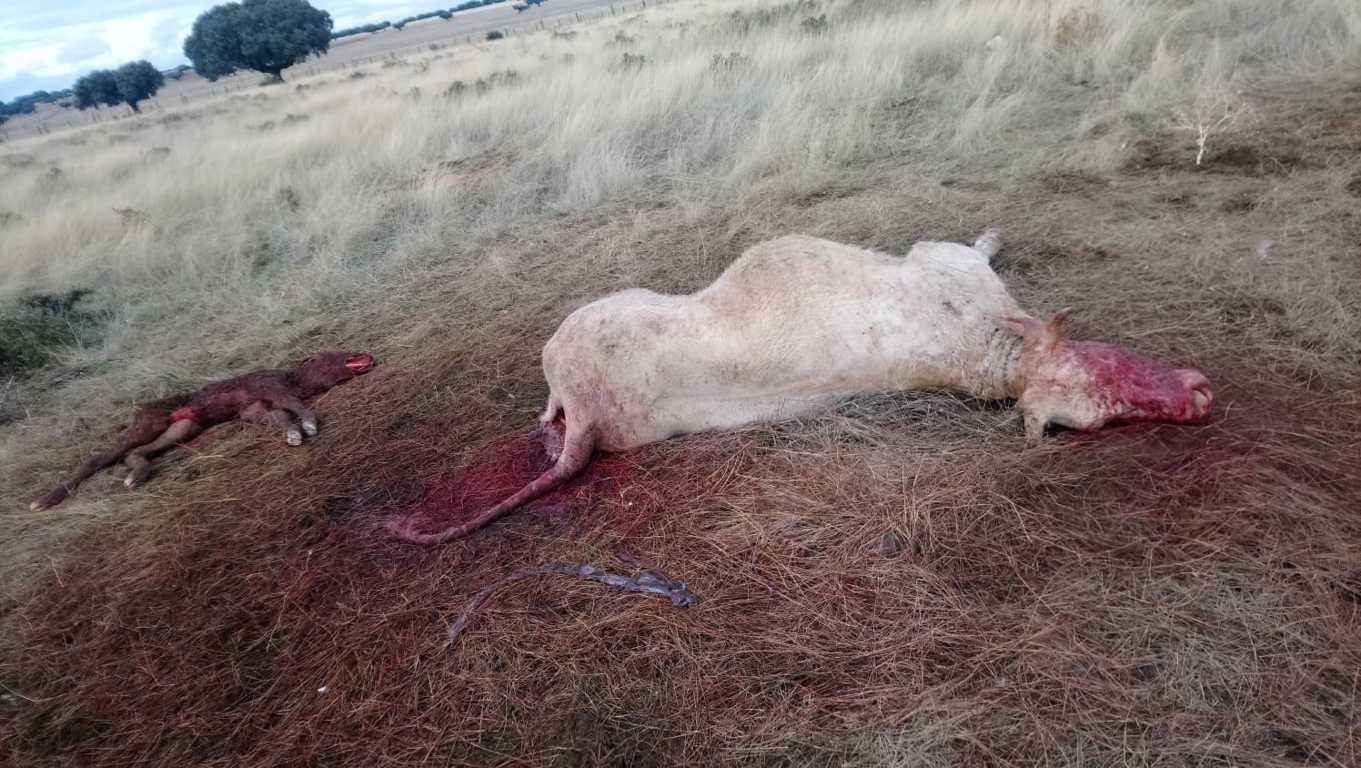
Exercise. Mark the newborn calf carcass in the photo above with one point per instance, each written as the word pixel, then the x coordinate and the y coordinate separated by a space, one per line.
pixel 272 398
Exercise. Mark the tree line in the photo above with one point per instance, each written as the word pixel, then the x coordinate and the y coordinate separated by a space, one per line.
pixel 23 105
pixel 266 36
pixel 445 13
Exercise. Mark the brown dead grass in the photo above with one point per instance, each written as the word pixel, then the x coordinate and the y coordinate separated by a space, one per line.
pixel 899 583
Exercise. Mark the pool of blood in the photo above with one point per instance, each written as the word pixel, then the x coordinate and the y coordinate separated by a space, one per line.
pixel 499 469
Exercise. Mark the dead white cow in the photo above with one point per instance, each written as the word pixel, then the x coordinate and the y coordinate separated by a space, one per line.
pixel 797 323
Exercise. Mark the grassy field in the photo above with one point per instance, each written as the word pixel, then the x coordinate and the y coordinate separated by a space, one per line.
pixel 901 582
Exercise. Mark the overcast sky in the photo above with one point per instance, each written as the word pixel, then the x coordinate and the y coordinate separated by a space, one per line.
pixel 47 44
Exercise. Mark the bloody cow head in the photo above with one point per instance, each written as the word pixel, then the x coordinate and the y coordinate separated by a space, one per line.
pixel 1084 385
pixel 324 370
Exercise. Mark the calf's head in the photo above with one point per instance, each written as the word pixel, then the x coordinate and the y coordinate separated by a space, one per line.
pixel 1085 385
pixel 324 370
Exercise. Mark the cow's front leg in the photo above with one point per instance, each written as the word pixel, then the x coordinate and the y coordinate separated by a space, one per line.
pixel 305 415
pixel 259 412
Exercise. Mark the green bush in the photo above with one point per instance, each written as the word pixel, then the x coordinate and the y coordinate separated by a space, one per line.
pixel 746 22
pixel 733 62
pixel 35 325
pixel 630 62
pixel 814 25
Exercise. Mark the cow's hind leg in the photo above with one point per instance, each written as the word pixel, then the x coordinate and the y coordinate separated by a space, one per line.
pixel 988 244
pixel 136 460
pixel 550 435
pixel 552 410
pixel 145 427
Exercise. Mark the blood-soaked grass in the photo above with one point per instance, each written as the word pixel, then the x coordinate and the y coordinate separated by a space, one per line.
pixel 903 583
pixel 497 471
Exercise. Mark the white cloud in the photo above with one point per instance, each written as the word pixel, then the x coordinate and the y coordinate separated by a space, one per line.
pixel 78 48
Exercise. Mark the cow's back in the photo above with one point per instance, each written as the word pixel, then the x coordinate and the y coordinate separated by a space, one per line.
pixel 798 284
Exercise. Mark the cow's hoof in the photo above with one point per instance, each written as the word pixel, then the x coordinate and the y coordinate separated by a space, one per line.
pixel 294 437
pixel 310 427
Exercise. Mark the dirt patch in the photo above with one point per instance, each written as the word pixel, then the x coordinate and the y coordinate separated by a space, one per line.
pixel 1241 159
pixel 1238 204
pixel 1342 132
pixel 1182 200
pixel 971 185
pixel 1246 309
pixel 827 192
pixel 470 170
pixel 1072 182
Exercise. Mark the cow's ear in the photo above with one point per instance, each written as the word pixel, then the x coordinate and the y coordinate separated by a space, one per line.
pixel 1021 324
pixel 1034 332
pixel 1053 330
pixel 1055 324
pixel 1039 336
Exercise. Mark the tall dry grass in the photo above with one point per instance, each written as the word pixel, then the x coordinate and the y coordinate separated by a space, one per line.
pixel 895 584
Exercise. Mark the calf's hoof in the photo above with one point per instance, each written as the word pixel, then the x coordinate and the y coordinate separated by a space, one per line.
pixel 294 437
pixel 310 427
pixel 52 499
pixel 136 477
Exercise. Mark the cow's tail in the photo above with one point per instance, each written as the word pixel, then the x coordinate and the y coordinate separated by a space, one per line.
pixel 578 447
pixel 988 244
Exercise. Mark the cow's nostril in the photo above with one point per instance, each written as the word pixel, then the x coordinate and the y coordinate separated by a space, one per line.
pixel 1198 387
pixel 1202 398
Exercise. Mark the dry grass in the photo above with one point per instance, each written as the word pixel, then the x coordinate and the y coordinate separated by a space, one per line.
pixel 898 583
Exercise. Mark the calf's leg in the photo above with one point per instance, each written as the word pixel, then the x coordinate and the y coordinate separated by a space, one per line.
pixel 306 415
pixel 260 413
pixel 146 425
pixel 136 460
